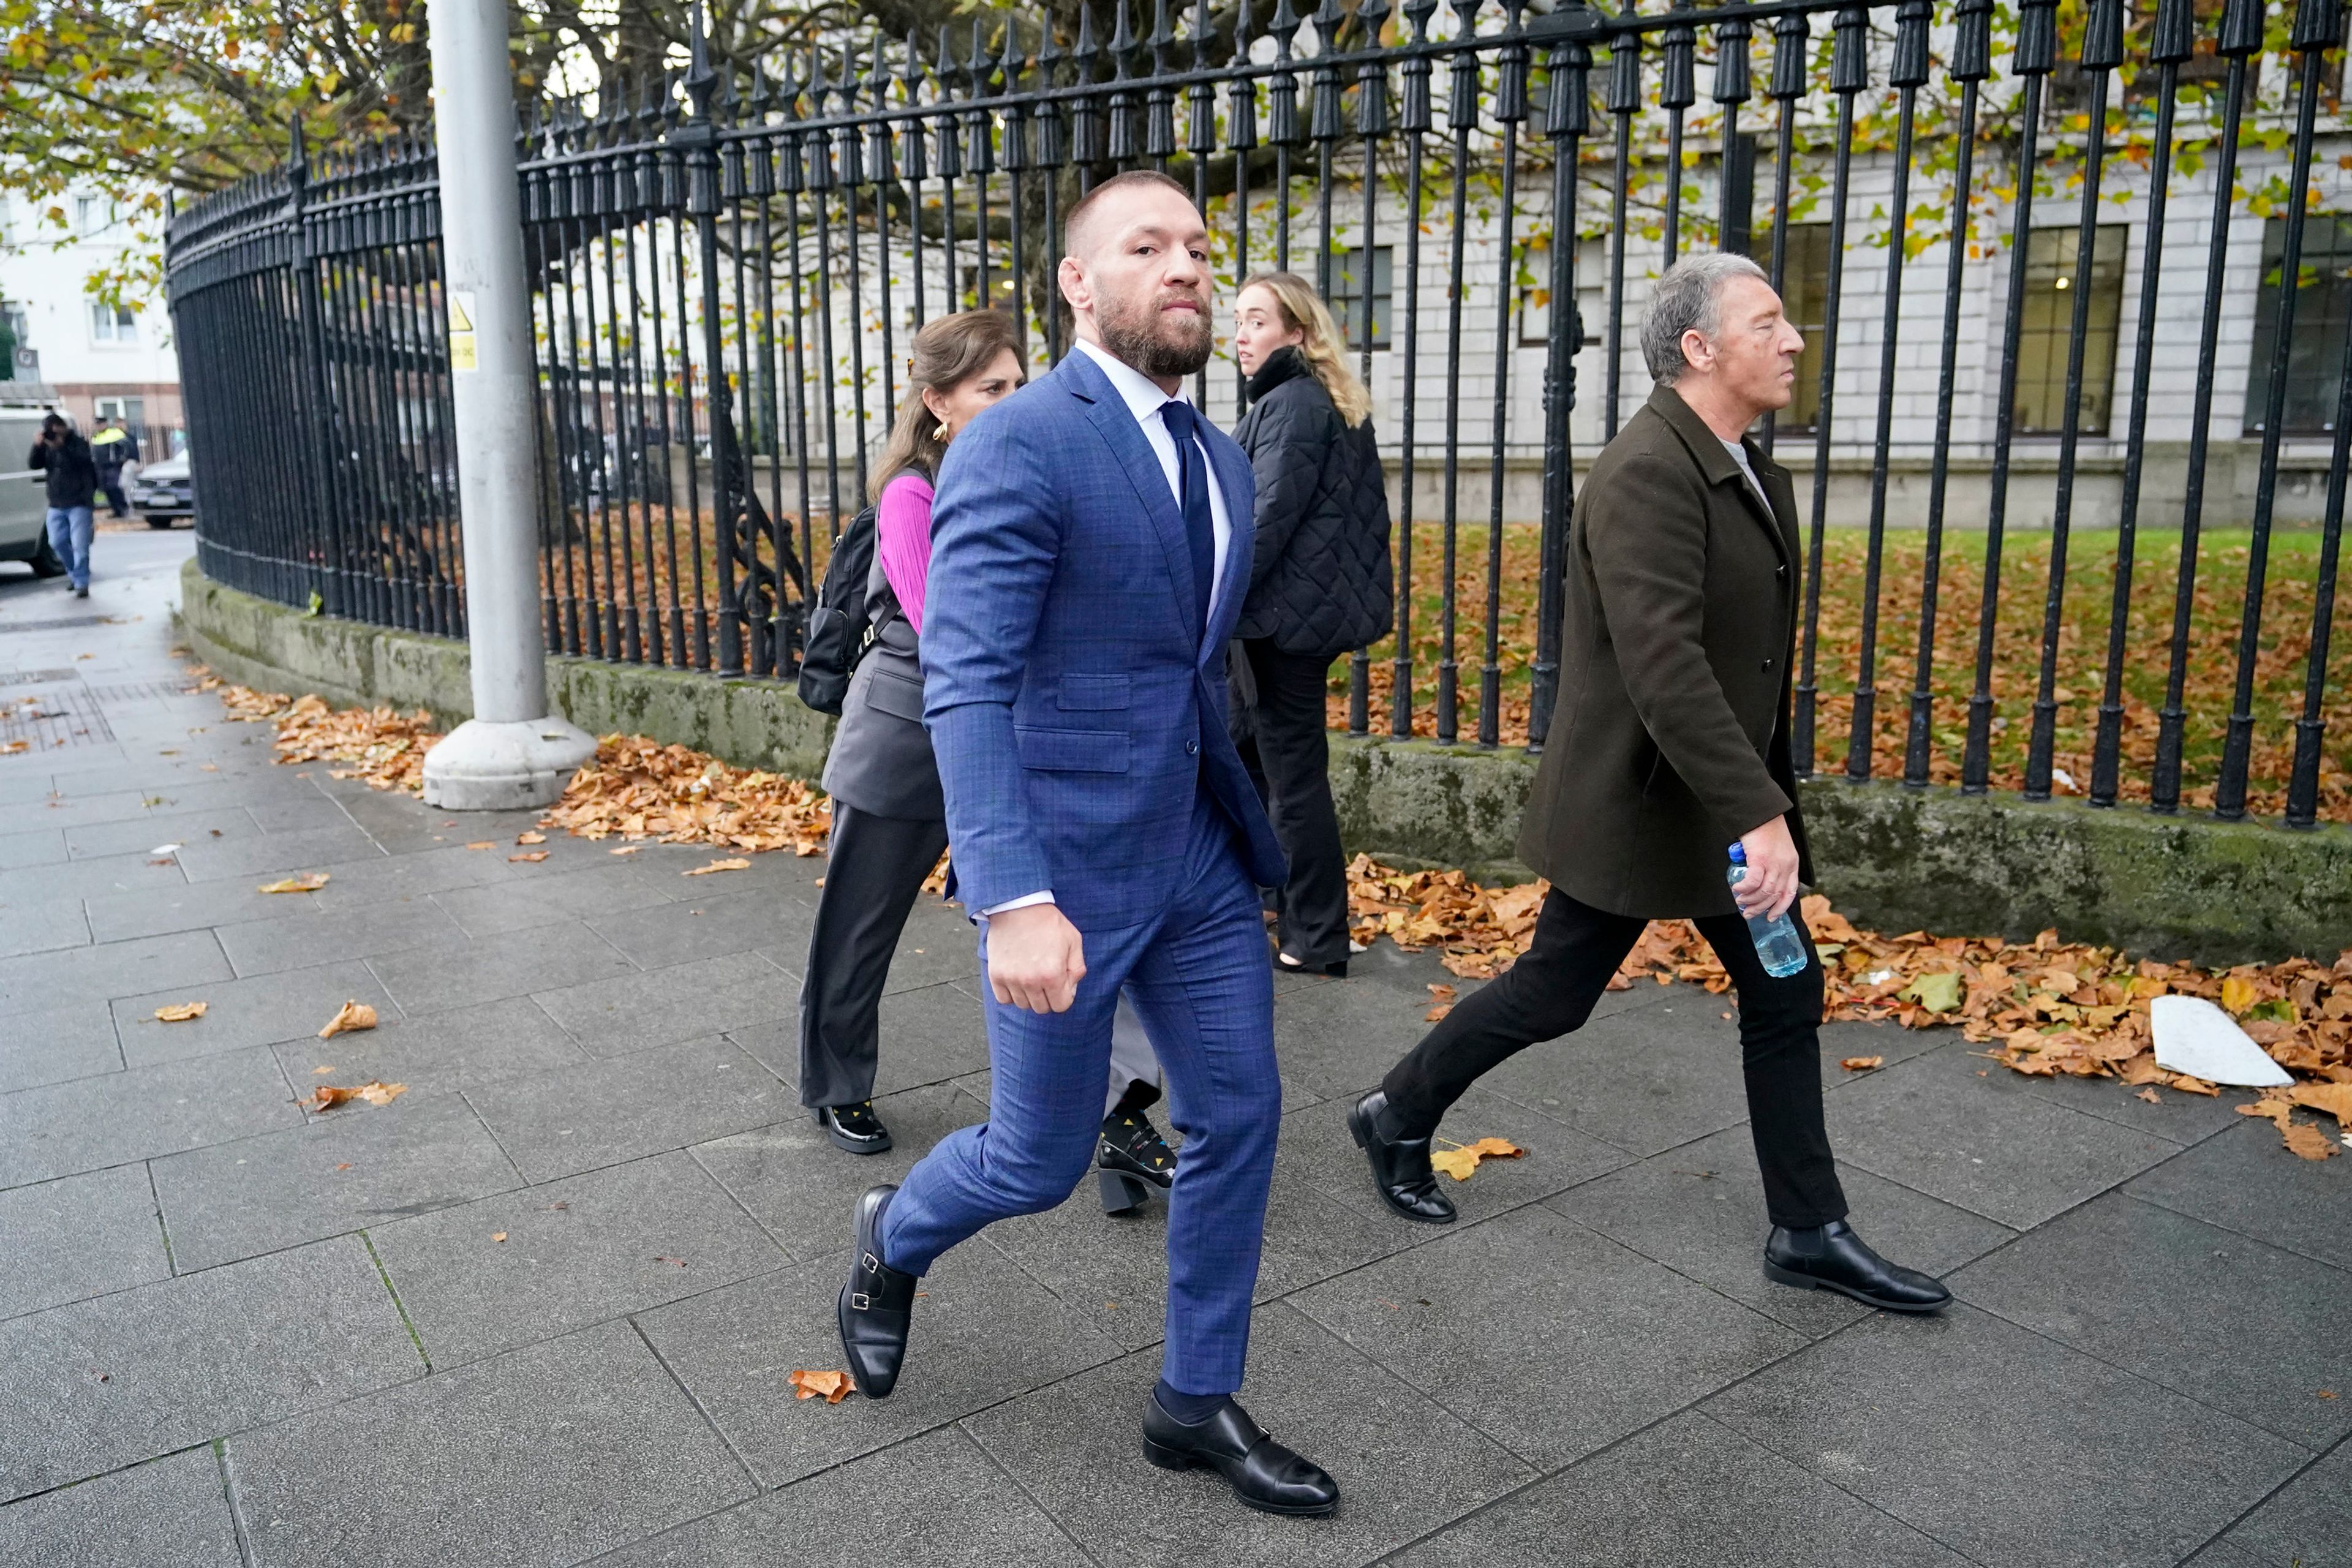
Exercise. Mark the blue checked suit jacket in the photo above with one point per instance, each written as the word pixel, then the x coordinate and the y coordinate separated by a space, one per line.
pixel 1071 702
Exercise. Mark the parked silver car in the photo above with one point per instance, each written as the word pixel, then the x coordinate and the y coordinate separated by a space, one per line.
pixel 24 496
pixel 165 490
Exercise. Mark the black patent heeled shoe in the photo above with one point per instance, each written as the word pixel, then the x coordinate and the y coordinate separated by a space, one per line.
pixel 1131 1159
pixel 855 1128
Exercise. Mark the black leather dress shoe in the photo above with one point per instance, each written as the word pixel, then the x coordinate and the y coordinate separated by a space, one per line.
pixel 1832 1257
pixel 1132 1160
pixel 1401 1170
pixel 1264 1474
pixel 875 1305
pixel 854 1127
pixel 1337 969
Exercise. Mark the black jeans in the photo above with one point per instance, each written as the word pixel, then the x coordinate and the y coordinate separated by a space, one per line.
pixel 1550 991
pixel 875 867
pixel 1289 760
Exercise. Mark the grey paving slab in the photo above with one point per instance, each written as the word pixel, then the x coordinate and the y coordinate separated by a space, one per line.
pixel 43 927
pixel 1403 1465
pixel 168 1514
pixel 2224 1319
pixel 632 1010
pixel 1339 1040
pixel 91 1387
pixel 707 921
pixel 466 1047
pixel 379 878
pixel 576 1252
pixel 54 1043
pixel 928 1035
pixel 941 1503
pixel 144 837
pixel 78 1238
pixel 2306 1524
pixel 1591 1339
pixel 736 1350
pixel 184 906
pixel 1700 1210
pixel 1928 1418
pixel 355 1166
pixel 1646 1080
pixel 274 854
pixel 549 1456
pixel 61 1129
pixel 1851 1039
pixel 938 944
pixel 1687 1493
pixel 2243 1180
pixel 137 873
pixel 1932 1124
pixel 258 1011
pixel 39 982
pixel 513 903
pixel 802 1188
pixel 32 846
pixel 319 936
pixel 621 1108
pixel 512 963
pixel 294 813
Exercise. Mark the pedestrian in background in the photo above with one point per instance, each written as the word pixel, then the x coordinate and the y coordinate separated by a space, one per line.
pixel 111 447
pixel 1319 585
pixel 1670 743
pixel 71 475
pixel 889 818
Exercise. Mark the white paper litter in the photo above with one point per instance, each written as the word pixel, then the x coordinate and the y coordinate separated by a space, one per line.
pixel 2194 1036
pixel 165 848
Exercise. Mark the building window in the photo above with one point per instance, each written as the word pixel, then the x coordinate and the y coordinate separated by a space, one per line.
pixel 1804 299
pixel 1535 293
pixel 2323 302
pixel 2047 328
pixel 1348 294
pixel 113 324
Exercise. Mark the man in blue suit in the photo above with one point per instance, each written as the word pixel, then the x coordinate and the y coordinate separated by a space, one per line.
pixel 1090 550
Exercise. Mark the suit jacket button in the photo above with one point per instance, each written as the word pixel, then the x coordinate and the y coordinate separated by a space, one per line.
pixel 1768 666
pixel 1192 747
pixel 1782 570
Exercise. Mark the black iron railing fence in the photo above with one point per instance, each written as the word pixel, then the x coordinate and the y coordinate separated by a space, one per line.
pixel 728 263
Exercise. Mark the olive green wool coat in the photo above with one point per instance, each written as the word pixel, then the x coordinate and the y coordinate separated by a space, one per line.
pixel 1671 736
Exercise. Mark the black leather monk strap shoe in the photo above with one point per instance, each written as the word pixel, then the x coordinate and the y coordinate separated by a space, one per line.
pixel 1400 1169
pixel 875 1304
pixel 1832 1257
pixel 1264 1474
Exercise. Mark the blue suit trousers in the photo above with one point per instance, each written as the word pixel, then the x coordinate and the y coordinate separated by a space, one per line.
pixel 1199 977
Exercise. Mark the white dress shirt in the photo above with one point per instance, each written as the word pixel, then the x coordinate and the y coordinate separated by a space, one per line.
pixel 1144 400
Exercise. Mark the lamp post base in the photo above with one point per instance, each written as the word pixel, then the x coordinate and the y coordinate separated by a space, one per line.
pixel 511 766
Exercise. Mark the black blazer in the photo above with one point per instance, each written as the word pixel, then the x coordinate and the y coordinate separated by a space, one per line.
pixel 1671 736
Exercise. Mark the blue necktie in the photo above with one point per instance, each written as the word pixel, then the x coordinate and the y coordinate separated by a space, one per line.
pixel 1192 492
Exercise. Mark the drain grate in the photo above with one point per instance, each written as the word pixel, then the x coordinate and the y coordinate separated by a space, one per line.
pixel 47 721
pixel 36 677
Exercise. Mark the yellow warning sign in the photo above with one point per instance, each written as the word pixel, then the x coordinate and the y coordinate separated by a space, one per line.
pixel 462 355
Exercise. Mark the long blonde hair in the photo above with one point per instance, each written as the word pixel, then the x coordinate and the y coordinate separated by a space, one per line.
pixel 948 351
pixel 1322 347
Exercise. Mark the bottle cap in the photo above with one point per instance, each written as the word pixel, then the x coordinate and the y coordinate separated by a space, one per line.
pixel 1740 855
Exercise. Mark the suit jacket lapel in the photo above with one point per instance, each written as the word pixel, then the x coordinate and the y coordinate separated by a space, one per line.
pixel 1717 465
pixel 1110 415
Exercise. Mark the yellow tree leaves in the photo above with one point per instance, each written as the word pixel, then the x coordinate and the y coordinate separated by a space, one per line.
pixel 638 790
pixel 327 1096
pixel 309 882
pixel 180 1011
pixel 1459 1160
pixel 349 1016
pixel 832 1387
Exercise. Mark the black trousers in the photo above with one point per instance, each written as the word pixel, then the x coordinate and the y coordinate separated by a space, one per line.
pixel 876 866
pixel 1550 991
pixel 1290 758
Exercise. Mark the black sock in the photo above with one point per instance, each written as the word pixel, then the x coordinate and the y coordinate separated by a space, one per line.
pixel 1140 1095
pixel 1189 1409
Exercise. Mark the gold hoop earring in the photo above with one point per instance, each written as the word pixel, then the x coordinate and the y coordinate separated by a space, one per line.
pixel 940 434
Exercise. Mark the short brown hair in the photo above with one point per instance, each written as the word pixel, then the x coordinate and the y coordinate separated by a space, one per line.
pixel 1073 224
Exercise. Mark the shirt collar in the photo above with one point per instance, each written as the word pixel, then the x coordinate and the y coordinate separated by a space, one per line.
pixel 1143 398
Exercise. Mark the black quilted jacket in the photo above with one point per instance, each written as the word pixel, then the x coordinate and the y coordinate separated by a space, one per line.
pixel 1319 579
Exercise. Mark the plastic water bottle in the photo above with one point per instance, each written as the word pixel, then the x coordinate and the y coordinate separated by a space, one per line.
pixel 1776 941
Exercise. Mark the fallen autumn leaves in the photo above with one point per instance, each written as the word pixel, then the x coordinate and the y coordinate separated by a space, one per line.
pixel 2045 1007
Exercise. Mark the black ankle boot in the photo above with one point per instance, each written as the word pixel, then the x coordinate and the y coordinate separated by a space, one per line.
pixel 875 1304
pixel 854 1127
pixel 1263 1473
pixel 1400 1169
pixel 1832 1257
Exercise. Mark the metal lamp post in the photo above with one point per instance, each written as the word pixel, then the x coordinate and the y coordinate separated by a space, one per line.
pixel 512 753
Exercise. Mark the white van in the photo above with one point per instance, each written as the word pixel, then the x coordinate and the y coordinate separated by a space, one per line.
pixel 23 493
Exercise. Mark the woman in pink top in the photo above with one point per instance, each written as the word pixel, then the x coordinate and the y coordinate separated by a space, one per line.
pixel 889 820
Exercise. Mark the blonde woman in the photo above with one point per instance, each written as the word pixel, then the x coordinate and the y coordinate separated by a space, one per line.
pixel 1319 585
